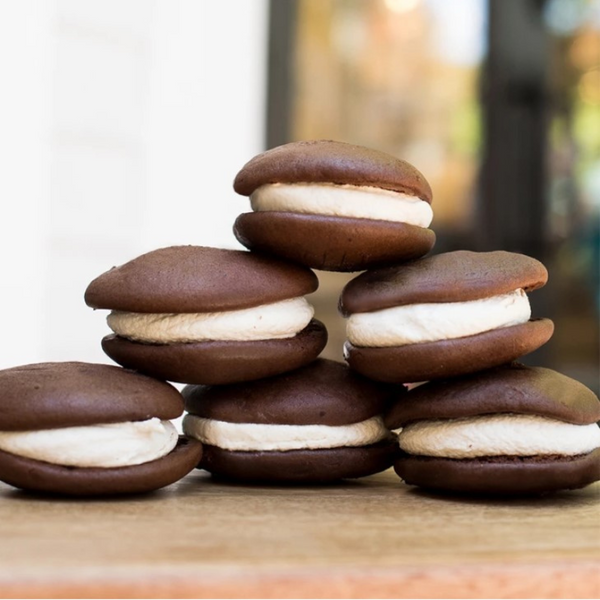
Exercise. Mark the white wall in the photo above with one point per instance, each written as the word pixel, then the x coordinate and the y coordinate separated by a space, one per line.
pixel 122 126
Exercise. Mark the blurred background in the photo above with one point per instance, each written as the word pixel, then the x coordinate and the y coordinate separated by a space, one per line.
pixel 124 123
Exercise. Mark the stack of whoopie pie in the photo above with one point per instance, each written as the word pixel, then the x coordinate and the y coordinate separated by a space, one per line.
pixel 235 326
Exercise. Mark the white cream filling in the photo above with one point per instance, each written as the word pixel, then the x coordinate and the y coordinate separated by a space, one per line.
pixel 270 321
pixel 248 437
pixel 106 445
pixel 416 323
pixel 360 202
pixel 498 435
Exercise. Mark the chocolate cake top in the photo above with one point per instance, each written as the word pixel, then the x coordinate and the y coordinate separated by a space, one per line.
pixel 189 279
pixel 512 388
pixel 451 277
pixel 69 394
pixel 327 161
pixel 322 393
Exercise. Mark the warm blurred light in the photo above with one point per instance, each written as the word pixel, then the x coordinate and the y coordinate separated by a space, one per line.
pixel 585 50
pixel 589 87
pixel 401 6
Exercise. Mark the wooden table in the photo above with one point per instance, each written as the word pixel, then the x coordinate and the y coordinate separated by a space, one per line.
pixel 371 538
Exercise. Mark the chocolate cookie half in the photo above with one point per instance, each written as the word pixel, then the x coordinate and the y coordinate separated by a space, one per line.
pixel 317 424
pixel 443 315
pixel 202 315
pixel 510 430
pixel 86 429
pixel 334 206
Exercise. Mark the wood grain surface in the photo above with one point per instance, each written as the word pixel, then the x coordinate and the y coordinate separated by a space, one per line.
pixel 371 538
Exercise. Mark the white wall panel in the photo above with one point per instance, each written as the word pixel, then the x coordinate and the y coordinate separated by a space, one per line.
pixel 123 124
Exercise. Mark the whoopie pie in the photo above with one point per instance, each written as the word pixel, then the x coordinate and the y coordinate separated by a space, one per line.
pixel 334 206
pixel 317 424
pixel 194 314
pixel 85 429
pixel 443 315
pixel 509 430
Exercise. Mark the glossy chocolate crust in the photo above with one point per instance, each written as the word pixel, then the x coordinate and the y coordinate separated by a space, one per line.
pixel 332 243
pixel 219 362
pixel 38 476
pixel 324 392
pixel 69 394
pixel 500 475
pixel 327 161
pixel 190 279
pixel 451 277
pixel 449 358
pixel 514 389
pixel 300 466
